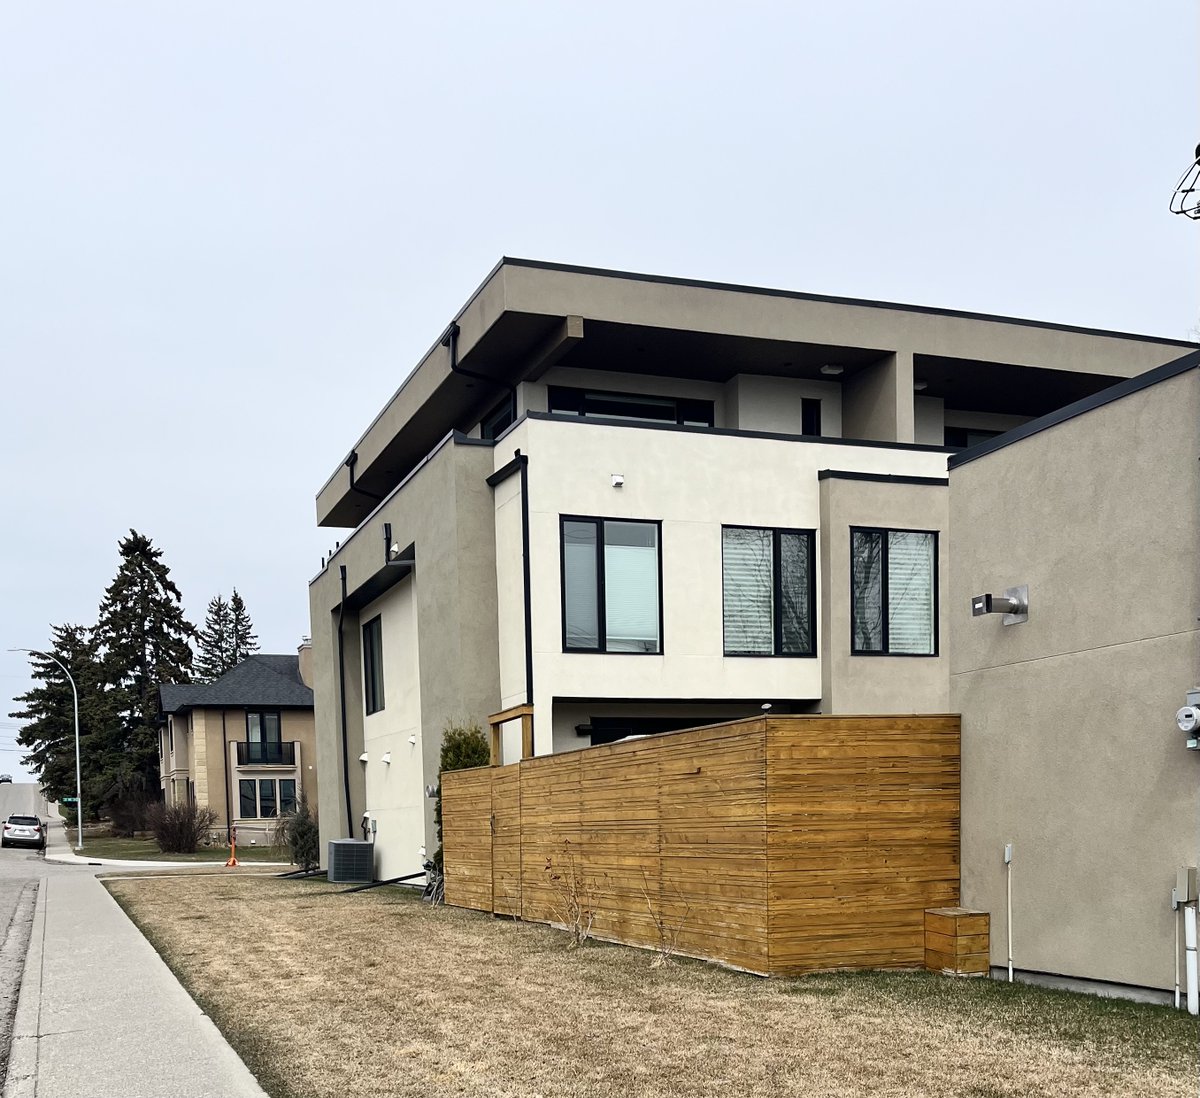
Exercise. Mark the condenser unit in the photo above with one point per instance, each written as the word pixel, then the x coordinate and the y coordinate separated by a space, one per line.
pixel 351 861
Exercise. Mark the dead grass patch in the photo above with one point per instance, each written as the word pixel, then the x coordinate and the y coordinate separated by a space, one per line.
pixel 377 994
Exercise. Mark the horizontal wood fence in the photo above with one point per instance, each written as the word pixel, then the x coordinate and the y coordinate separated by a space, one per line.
pixel 774 844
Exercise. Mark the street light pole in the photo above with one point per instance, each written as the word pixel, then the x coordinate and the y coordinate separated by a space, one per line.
pixel 78 771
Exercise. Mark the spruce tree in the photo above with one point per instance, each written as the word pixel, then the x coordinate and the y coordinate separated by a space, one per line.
pixel 49 715
pixel 245 642
pixel 214 643
pixel 144 640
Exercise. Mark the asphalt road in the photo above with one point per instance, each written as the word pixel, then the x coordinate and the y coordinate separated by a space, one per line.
pixel 21 870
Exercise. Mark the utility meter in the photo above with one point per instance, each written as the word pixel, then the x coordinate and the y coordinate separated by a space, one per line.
pixel 1188 719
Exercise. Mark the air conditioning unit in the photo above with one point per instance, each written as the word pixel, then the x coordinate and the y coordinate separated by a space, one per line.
pixel 351 861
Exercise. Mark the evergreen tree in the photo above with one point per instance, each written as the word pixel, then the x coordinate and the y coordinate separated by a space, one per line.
pixel 244 640
pixel 143 639
pixel 49 713
pixel 214 643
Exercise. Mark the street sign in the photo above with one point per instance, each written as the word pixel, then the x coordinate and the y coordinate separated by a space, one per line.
pixel 67 800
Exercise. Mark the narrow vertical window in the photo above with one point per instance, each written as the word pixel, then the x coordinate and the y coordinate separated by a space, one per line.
pixel 287 796
pixel 373 665
pixel 247 801
pixel 893 581
pixel 767 591
pixel 266 798
pixel 810 416
pixel 581 614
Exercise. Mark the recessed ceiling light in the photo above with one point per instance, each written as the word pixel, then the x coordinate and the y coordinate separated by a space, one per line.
pixel 831 369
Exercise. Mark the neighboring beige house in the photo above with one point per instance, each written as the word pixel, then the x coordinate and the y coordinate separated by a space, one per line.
pixel 1070 749
pixel 635 503
pixel 243 745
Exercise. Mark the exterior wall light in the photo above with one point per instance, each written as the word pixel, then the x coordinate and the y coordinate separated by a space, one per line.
pixel 618 480
pixel 1013 604
pixel 363 757
pixel 387 758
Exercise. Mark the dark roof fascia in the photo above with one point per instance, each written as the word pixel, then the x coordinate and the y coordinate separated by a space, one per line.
pixel 1113 393
pixel 881 478
pixel 865 303
pixel 732 432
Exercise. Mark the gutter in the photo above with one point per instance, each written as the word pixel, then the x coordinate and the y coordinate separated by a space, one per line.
pixel 450 341
pixel 350 462
pixel 520 462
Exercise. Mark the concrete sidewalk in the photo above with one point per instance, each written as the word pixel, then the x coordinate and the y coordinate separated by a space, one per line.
pixel 101 1015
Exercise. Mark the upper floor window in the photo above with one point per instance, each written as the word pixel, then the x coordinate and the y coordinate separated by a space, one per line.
pixel 612 599
pixel 810 416
pixel 262 727
pixel 632 406
pixel 893 592
pixel 499 419
pixel 768 591
pixel 372 651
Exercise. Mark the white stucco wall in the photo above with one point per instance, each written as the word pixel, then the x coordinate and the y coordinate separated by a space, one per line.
pixel 693 483
pixel 395 792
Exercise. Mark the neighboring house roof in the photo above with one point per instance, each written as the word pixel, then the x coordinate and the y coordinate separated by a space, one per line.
pixel 1080 407
pixel 263 681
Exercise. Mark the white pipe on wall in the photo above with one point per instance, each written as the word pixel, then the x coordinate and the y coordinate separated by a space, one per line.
pixel 1189 944
pixel 1008 888
pixel 1176 954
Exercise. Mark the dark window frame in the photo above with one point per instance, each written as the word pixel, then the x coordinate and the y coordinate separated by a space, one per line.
pixel 260 713
pixel 810 417
pixel 372 662
pixel 883 571
pixel 777 593
pixel 487 425
pixel 573 400
pixel 253 784
pixel 601 615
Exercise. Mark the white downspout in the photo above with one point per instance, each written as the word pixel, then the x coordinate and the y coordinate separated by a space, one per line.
pixel 1176 907
pixel 1189 943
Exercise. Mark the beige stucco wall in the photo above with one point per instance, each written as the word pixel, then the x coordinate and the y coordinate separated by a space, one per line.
pixel 1070 749
pixel 445 509
pixel 878 684
pixel 758 403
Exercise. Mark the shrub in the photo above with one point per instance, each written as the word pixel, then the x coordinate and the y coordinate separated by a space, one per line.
pixel 463 746
pixel 179 828
pixel 131 814
pixel 302 835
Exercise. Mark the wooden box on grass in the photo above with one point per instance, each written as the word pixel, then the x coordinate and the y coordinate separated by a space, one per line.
pixel 956 941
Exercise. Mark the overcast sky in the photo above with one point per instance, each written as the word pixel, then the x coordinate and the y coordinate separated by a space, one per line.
pixel 229 230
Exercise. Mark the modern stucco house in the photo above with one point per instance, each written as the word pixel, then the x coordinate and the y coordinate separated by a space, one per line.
pixel 628 504
pixel 243 745
pixel 1070 749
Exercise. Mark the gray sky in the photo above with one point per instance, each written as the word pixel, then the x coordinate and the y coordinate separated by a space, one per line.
pixel 228 230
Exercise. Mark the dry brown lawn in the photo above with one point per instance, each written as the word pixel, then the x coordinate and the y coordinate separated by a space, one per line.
pixel 373 994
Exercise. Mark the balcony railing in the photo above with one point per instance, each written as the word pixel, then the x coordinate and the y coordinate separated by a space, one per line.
pixel 266 754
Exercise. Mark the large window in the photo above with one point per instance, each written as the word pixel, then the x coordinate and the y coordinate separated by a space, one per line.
pixel 373 665
pixel 893 592
pixel 631 406
pixel 767 591
pixel 266 798
pixel 611 593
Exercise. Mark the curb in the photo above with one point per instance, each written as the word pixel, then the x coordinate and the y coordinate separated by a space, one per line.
pixel 21 1080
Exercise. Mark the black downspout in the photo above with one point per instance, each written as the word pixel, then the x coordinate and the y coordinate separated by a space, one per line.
pixel 342 697
pixel 228 797
pixel 525 577
pixel 450 340
pixel 350 463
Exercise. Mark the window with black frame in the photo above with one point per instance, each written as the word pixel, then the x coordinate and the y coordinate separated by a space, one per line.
pixel 372 634
pixel 893 592
pixel 610 577
pixel 768 584
pixel 636 407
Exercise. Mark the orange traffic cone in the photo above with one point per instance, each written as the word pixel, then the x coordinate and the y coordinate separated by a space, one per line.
pixel 232 848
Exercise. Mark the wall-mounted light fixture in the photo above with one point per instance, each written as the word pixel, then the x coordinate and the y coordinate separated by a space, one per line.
pixel 618 480
pixel 1013 604
pixel 412 740
pixel 920 385
pixel 363 757
pixel 386 759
